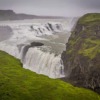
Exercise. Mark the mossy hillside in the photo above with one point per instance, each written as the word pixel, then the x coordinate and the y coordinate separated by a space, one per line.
pixel 90 48
pixel 91 45
pixel 86 36
pixel 82 54
pixel 17 83
pixel 90 17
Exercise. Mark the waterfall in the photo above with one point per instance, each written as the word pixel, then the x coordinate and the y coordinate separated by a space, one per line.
pixel 43 63
pixel 38 45
pixel 9 48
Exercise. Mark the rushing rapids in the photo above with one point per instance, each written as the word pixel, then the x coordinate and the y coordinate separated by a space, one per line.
pixel 40 62
pixel 37 44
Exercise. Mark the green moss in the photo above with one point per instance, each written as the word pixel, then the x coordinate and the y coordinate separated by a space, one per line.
pixel 91 52
pixel 69 51
pixel 72 43
pixel 90 48
pixel 95 41
pixel 91 17
pixel 17 83
pixel 91 44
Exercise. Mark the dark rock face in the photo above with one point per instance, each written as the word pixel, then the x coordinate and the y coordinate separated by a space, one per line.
pixel 33 44
pixel 36 44
pixel 82 56
pixel 50 25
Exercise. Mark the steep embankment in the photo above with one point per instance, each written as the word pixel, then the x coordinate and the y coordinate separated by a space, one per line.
pixel 82 56
pixel 17 83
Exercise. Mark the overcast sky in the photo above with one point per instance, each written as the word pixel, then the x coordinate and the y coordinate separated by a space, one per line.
pixel 52 7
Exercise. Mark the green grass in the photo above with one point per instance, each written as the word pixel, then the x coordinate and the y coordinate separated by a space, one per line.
pixel 17 83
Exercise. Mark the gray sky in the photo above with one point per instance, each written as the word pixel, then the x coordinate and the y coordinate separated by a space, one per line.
pixel 52 7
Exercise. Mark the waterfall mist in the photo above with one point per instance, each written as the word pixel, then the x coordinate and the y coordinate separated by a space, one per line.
pixel 39 44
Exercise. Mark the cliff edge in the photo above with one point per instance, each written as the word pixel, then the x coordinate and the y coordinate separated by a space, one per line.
pixel 82 56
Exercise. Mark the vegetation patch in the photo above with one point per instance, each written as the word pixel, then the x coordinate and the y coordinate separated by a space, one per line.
pixel 88 18
pixel 90 48
pixel 82 54
pixel 17 83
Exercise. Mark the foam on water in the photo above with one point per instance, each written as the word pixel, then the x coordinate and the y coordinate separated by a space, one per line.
pixel 44 63
pixel 43 59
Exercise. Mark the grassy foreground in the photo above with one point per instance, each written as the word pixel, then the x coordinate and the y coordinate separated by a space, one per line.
pixel 17 83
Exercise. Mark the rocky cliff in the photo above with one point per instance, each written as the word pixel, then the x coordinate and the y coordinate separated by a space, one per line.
pixel 82 56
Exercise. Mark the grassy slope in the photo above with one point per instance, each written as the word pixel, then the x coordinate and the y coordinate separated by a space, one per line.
pixel 82 55
pixel 17 83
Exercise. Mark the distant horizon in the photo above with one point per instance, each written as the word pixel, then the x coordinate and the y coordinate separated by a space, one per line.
pixel 33 14
pixel 45 15
pixel 63 8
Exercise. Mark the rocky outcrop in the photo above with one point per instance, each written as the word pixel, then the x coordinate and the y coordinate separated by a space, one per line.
pixel 26 47
pixel 82 56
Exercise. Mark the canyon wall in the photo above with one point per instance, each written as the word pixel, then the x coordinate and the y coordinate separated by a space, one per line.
pixel 82 56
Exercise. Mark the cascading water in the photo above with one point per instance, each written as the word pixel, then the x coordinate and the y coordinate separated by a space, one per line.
pixel 43 63
pixel 38 45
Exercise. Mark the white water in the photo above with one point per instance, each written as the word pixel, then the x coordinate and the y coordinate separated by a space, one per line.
pixel 43 59
pixel 44 63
